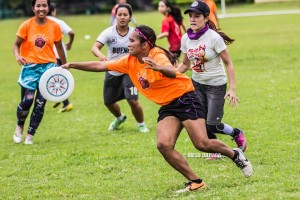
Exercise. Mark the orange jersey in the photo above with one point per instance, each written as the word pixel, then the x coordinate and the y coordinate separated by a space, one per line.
pixel 37 46
pixel 213 11
pixel 153 84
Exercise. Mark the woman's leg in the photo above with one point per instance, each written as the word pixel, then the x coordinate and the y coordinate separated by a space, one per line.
pixel 197 132
pixel 37 113
pixel 168 131
pixel 27 97
pixel 23 108
pixel 136 110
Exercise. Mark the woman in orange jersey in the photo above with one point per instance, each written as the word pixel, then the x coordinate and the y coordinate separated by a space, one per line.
pixel 33 50
pixel 151 71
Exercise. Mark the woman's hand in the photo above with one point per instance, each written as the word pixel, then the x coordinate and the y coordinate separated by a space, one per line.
pixel 233 99
pixel 66 66
pixel 151 64
pixel 21 60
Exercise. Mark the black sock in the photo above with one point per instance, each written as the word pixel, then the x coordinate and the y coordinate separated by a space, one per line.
pixel 236 153
pixel 197 180
pixel 236 131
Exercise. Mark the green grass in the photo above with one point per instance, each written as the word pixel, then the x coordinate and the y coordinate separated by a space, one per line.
pixel 75 157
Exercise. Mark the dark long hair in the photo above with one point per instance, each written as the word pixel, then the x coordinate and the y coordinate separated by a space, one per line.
pixel 52 7
pixel 225 37
pixel 175 12
pixel 151 37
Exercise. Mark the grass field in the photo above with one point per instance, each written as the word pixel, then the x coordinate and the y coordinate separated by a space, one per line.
pixel 75 157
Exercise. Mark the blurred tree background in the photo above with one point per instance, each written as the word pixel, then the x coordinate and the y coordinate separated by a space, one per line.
pixel 18 8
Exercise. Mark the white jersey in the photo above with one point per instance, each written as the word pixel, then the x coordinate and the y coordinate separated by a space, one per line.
pixel 204 54
pixel 117 45
pixel 65 29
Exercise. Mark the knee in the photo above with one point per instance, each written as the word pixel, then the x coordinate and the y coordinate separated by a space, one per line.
pixel 163 147
pixel 202 145
pixel 26 102
pixel 134 103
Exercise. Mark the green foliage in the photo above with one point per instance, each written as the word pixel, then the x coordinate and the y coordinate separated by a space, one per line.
pixel 75 157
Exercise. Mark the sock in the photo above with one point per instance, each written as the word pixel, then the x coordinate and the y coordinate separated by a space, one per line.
pixel 197 180
pixel 228 130
pixel 121 117
pixel 236 131
pixel 141 124
pixel 236 153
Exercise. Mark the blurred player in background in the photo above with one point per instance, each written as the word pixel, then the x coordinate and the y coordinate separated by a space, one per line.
pixel 171 26
pixel 66 30
pixel 118 86
pixel 213 12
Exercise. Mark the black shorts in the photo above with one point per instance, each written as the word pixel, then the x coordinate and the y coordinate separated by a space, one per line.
pixel 117 88
pixel 185 107
pixel 212 100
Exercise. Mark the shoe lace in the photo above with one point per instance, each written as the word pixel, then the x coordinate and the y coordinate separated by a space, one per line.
pixel 187 184
pixel 240 163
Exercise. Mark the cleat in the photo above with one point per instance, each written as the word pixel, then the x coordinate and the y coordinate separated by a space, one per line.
pixel 192 186
pixel 116 123
pixel 28 139
pixel 240 141
pixel 243 163
pixel 18 134
pixel 67 108
pixel 143 128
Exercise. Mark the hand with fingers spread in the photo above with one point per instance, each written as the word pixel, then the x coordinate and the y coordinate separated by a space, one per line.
pixel 151 64
pixel 233 99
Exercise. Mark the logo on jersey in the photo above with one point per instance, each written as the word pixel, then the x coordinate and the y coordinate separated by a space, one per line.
pixel 114 40
pixel 40 41
pixel 144 83
pixel 197 56
pixel 120 50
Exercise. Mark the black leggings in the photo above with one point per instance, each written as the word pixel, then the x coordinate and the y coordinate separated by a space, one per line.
pixel 27 98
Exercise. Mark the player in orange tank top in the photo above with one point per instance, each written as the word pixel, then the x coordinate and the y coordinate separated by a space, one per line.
pixel 152 72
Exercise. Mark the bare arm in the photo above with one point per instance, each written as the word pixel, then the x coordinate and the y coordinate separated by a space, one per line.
pixel 71 39
pixel 185 65
pixel 92 66
pixel 167 71
pixel 16 50
pixel 96 51
pixel 162 35
pixel 231 94
pixel 60 52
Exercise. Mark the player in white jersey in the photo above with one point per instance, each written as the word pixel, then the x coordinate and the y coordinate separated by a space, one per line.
pixel 66 30
pixel 204 50
pixel 118 86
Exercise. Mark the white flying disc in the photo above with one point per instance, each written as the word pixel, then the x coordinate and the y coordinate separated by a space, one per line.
pixel 56 84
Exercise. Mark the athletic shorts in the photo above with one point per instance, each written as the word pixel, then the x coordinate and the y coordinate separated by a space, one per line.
pixel 185 107
pixel 31 74
pixel 117 88
pixel 212 100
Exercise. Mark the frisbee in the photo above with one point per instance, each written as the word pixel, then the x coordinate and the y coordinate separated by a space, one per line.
pixel 56 84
